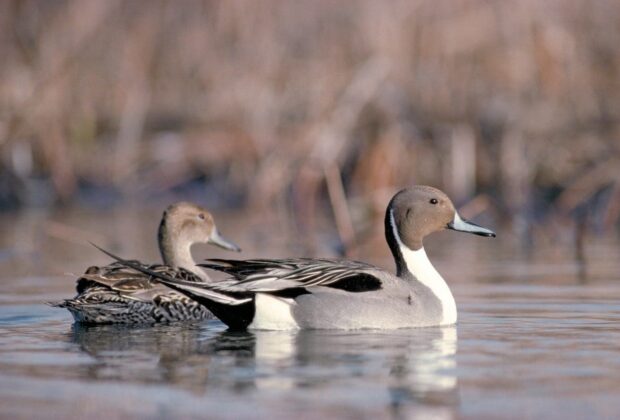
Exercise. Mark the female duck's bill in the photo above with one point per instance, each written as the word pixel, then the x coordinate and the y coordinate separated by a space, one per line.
pixel 216 239
pixel 294 293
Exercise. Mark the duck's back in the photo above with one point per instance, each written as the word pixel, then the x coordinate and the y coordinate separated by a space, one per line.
pixel 324 293
pixel 115 294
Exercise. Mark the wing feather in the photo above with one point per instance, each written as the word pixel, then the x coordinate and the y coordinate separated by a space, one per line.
pixel 277 275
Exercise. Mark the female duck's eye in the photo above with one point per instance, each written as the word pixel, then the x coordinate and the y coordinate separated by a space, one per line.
pixel 201 216
pixel 434 201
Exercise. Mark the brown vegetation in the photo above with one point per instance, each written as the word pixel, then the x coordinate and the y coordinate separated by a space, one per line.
pixel 509 106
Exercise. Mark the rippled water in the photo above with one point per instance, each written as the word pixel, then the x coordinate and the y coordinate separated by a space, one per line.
pixel 525 347
pixel 518 351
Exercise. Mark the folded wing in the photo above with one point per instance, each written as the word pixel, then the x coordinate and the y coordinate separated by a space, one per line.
pixel 233 301
pixel 277 275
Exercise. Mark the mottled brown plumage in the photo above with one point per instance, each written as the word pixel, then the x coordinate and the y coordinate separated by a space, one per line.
pixel 118 294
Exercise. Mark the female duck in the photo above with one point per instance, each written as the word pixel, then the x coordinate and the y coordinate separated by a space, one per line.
pixel 117 294
pixel 342 294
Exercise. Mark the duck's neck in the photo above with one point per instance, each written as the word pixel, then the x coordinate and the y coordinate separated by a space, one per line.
pixel 420 267
pixel 175 250
pixel 415 264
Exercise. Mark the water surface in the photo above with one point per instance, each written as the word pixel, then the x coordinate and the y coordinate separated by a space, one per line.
pixel 533 341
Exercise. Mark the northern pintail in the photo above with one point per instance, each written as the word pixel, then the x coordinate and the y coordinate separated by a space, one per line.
pixel 117 294
pixel 342 294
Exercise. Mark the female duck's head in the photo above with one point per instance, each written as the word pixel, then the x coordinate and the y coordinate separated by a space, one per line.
pixel 182 225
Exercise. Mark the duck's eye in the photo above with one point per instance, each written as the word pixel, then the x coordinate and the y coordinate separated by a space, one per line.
pixel 201 216
pixel 434 201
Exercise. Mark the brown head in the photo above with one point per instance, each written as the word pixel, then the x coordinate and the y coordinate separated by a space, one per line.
pixel 184 224
pixel 418 211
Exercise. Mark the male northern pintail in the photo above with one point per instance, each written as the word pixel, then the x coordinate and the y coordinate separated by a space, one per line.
pixel 117 294
pixel 342 294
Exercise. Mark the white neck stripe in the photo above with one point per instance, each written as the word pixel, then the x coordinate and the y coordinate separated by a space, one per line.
pixel 419 265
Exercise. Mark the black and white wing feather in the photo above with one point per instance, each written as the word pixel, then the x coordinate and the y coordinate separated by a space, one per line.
pixel 261 275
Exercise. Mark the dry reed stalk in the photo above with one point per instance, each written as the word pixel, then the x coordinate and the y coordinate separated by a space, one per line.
pixel 72 234
pixel 340 208
pixel 588 183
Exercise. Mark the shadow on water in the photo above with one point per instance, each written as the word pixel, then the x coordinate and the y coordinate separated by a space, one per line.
pixel 397 369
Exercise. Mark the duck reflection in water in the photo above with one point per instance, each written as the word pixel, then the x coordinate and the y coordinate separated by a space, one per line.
pixel 408 369
pixel 170 354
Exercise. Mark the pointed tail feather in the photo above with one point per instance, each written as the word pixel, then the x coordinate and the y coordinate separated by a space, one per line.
pixel 58 303
pixel 191 289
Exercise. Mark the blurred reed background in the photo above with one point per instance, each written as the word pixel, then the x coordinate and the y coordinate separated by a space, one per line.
pixel 318 108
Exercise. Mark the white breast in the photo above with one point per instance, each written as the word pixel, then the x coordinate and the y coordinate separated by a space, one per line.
pixel 420 266
pixel 273 313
